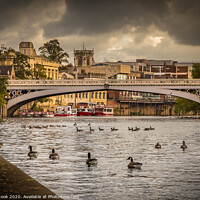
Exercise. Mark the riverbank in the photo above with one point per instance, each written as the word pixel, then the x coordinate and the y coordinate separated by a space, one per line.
pixel 15 184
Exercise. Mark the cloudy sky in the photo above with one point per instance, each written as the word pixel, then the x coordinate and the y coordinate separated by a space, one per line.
pixel 116 29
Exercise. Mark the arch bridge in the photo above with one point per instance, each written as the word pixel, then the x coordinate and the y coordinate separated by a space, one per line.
pixel 25 91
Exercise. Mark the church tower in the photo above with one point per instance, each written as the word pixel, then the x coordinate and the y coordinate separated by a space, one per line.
pixel 83 57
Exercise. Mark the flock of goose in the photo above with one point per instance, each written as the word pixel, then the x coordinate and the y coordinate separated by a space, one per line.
pixel 112 128
pixel 93 161
pixel 40 127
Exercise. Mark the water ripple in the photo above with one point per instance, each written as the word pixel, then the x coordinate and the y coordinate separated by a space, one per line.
pixel 167 173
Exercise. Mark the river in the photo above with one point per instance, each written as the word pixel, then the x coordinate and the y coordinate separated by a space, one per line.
pixel 166 173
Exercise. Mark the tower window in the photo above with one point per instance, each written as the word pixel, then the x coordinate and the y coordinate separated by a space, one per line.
pixel 88 61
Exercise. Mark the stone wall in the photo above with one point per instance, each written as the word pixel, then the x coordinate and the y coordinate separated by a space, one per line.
pixel 138 109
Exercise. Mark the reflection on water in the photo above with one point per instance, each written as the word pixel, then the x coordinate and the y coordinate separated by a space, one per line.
pixel 166 173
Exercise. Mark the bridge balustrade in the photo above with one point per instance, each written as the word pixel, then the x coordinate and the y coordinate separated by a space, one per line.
pixel 142 82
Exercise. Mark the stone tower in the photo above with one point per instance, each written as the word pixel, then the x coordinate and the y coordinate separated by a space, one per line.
pixel 27 48
pixel 83 57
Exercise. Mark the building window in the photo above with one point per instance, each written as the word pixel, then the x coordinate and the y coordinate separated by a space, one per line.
pixel 71 96
pixel 92 94
pixel 96 95
pixel 104 95
pixel 83 95
pixel 86 95
pixel 99 95
pixel 79 95
pixel 80 61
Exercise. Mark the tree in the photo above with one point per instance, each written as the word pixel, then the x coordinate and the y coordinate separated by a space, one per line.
pixel 22 66
pixel 196 70
pixel 3 90
pixel 38 72
pixel 42 100
pixel 20 61
pixel 53 51
pixel 184 106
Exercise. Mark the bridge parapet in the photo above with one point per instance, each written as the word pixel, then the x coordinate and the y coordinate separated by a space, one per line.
pixel 137 82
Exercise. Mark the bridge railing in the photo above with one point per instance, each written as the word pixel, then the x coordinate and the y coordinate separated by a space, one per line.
pixel 138 82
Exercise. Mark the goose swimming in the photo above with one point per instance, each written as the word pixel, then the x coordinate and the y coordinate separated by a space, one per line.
pixel 114 129
pixel 101 129
pixel 91 129
pixel 158 146
pixel 132 164
pixel 78 130
pixel 184 146
pixel 53 155
pixel 91 161
pixel 32 154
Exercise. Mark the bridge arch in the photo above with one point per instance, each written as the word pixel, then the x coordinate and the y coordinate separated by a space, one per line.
pixel 15 103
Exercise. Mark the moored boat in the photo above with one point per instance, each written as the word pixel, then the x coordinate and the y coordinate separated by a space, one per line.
pixel 64 111
pixel 22 114
pixel 101 110
pixel 29 114
pixel 37 114
pixel 84 112
pixel 85 109
pixel 48 114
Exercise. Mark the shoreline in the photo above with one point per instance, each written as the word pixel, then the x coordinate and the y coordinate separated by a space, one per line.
pixel 16 184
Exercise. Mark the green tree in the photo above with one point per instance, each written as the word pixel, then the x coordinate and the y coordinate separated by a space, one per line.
pixel 3 90
pixel 20 61
pixel 196 70
pixel 53 51
pixel 35 107
pixel 38 72
pixel 22 66
pixel 184 106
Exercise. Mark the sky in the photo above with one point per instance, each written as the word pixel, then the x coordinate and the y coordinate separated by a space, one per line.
pixel 116 29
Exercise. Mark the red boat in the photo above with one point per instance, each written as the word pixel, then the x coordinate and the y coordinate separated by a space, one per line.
pixel 85 109
pixel 84 112
pixel 103 111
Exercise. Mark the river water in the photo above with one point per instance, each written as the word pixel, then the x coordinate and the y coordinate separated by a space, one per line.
pixel 166 173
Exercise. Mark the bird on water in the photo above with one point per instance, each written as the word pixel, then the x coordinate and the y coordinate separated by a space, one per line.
pixel 158 146
pixel 53 155
pixel 132 164
pixel 91 161
pixel 184 146
pixel 32 154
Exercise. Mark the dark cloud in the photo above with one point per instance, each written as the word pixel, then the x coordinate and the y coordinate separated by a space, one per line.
pixel 24 19
pixel 116 29
pixel 180 18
